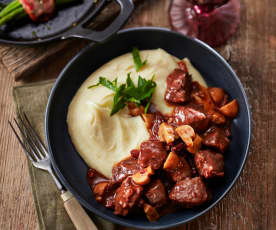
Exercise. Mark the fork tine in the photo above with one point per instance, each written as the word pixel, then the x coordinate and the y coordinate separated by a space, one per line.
pixel 39 142
pixel 21 143
pixel 26 139
pixel 32 144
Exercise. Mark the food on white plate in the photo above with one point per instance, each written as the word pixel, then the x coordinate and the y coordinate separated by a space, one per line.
pixel 151 132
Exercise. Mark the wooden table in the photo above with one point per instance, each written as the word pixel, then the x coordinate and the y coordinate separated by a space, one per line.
pixel 252 52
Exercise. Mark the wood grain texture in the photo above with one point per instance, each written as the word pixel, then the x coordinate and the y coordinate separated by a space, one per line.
pixel 251 204
pixel 22 61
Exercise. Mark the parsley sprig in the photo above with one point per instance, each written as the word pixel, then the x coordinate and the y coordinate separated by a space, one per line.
pixel 128 92
pixel 137 59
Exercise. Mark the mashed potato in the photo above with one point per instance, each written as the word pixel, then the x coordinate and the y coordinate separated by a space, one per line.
pixel 103 140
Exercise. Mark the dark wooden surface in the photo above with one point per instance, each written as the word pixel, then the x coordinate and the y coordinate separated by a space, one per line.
pixel 251 204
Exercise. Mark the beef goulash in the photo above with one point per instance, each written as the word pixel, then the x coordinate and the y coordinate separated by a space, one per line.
pixel 155 158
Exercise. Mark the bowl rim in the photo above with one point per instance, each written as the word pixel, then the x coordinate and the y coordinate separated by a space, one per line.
pixel 114 219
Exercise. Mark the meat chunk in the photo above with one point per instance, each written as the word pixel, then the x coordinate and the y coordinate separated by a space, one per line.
pixel 202 97
pixel 177 167
pixel 127 195
pixel 156 194
pixel 152 153
pixel 209 164
pixel 134 110
pixel 166 133
pixel 215 137
pixel 189 192
pixel 39 10
pixel 125 168
pixel 179 86
pixel 192 115
pixel 104 193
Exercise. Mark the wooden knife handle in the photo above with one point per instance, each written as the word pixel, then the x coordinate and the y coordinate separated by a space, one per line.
pixel 77 214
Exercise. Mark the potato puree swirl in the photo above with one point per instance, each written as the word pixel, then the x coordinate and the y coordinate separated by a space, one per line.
pixel 102 140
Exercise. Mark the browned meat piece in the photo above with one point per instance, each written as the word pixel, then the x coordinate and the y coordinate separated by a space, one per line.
pixel 192 115
pixel 209 164
pixel 134 110
pixel 189 192
pixel 152 153
pixel 215 137
pixel 94 177
pixel 39 10
pixel 201 96
pixel 135 153
pixel 177 167
pixel 127 195
pixel 156 194
pixel 179 86
pixel 104 193
pixel 177 147
pixel 125 168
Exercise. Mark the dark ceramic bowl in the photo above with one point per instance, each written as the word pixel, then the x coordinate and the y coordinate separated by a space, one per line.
pixel 69 166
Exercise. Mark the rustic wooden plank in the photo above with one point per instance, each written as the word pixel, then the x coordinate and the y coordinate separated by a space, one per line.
pixel 22 61
pixel 16 202
pixel 252 53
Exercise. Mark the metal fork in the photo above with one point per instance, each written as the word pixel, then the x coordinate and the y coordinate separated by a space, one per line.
pixel 38 155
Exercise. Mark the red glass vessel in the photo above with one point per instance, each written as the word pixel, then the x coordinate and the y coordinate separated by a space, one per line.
pixel 212 21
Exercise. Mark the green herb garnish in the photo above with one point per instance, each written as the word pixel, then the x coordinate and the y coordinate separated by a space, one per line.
pixel 128 92
pixel 137 59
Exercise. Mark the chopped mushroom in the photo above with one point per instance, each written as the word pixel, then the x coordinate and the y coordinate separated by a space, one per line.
pixel 177 167
pixel 231 109
pixel 166 133
pixel 186 133
pixel 190 138
pixel 143 177
pixel 172 161
pixel 196 144
pixel 217 94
